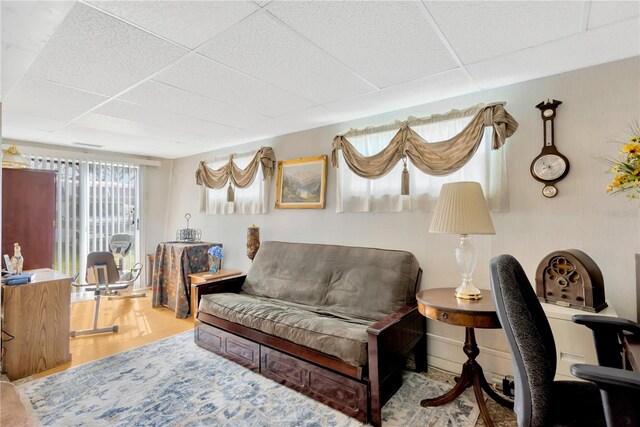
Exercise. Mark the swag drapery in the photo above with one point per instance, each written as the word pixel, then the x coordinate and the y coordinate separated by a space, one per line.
pixel 241 178
pixel 433 158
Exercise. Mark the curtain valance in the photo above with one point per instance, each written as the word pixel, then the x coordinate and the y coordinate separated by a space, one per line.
pixel 241 178
pixel 433 158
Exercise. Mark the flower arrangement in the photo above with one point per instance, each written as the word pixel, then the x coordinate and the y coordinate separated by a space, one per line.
pixel 215 258
pixel 627 167
pixel 215 251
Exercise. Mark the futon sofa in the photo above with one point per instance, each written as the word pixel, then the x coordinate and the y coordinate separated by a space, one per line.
pixel 333 322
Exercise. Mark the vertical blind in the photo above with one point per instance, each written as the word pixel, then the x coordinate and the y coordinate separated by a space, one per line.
pixel 94 200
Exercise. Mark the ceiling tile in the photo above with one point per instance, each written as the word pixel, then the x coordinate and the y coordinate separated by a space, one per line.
pixel 480 30
pixel 579 51
pixel 385 42
pixel 29 122
pixel 300 120
pixel 26 28
pixel 163 119
pixel 39 98
pixel 169 98
pixel 189 23
pixel 205 77
pixel 113 141
pixel 429 89
pixel 130 127
pixel 607 12
pixel 265 49
pixel 99 53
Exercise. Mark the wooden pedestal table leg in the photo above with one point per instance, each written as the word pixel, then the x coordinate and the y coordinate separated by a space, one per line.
pixel 471 375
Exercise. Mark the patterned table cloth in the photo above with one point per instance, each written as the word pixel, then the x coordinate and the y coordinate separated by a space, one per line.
pixel 173 263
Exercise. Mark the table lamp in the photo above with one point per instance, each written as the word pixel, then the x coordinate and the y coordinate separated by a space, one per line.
pixel 462 209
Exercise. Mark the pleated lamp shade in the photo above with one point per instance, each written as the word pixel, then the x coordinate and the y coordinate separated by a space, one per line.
pixel 462 209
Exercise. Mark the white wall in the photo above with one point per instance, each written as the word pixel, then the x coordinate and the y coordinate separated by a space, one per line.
pixel 599 103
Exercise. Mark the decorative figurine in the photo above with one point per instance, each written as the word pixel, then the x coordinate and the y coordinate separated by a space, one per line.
pixel 17 261
pixel 253 241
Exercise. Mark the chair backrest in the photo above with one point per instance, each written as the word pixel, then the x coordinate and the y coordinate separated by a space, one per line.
pixel 120 244
pixel 530 339
pixel 104 258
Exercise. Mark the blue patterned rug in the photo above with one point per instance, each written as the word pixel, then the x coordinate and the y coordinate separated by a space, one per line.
pixel 174 382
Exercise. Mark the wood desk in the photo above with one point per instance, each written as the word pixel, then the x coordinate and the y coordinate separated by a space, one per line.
pixel 441 304
pixel 206 277
pixel 37 315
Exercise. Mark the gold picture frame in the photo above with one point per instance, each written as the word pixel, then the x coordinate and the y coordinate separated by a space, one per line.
pixel 302 183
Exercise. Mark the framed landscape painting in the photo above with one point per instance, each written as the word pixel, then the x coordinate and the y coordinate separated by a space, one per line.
pixel 302 183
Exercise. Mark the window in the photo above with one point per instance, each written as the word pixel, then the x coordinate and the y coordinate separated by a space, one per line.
pixel 250 200
pixel 94 200
pixel 356 194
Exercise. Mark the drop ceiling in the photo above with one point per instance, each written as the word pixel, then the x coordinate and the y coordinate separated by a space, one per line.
pixel 176 78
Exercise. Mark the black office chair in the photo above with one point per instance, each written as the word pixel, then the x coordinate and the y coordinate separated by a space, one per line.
pixel 539 400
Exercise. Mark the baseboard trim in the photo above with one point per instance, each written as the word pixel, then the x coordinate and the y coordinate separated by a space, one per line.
pixel 447 354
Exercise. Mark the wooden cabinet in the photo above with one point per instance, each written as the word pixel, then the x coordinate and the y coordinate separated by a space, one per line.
pixel 28 215
pixel 37 315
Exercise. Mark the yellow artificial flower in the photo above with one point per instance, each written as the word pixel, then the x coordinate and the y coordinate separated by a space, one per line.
pixel 632 149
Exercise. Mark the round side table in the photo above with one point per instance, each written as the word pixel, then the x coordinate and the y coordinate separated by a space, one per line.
pixel 441 304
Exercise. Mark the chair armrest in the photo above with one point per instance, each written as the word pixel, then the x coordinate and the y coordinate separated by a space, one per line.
pixel 607 323
pixel 606 377
pixel 388 322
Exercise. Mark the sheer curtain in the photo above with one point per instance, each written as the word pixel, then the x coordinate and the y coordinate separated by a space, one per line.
pixel 356 194
pixel 250 200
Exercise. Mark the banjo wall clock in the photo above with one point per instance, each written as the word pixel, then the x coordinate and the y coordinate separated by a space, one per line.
pixel 550 166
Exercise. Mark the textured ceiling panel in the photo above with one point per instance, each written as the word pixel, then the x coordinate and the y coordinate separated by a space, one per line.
pixel 265 49
pixel 205 77
pixel 130 127
pixel 26 28
pixel 38 98
pixel 480 30
pixel 101 54
pixel 114 141
pixel 162 96
pixel 582 50
pixel 189 23
pixel 385 42
pixel 164 119
pixel 300 120
pixel 417 92
pixel 30 122
pixel 608 12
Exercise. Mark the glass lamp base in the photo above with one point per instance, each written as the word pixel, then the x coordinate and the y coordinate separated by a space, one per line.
pixel 468 296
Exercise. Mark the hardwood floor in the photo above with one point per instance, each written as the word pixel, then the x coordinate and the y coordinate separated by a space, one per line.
pixel 138 324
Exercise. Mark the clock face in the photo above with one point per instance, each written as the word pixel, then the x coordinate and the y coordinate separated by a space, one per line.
pixel 549 191
pixel 548 113
pixel 549 167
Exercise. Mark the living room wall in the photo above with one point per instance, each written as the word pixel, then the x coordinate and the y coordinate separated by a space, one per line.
pixel 599 104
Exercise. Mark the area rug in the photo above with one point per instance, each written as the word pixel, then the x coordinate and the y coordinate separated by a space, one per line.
pixel 174 382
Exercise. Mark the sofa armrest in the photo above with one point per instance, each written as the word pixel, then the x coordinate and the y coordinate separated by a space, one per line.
pixel 390 341
pixel 391 320
pixel 225 285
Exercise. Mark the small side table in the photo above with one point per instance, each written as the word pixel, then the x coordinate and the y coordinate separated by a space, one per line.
pixel 441 304
pixel 205 278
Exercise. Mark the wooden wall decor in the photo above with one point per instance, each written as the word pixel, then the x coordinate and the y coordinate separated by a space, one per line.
pixel 570 278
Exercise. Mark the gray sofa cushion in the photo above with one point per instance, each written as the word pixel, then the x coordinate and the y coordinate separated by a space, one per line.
pixel 343 338
pixel 365 283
